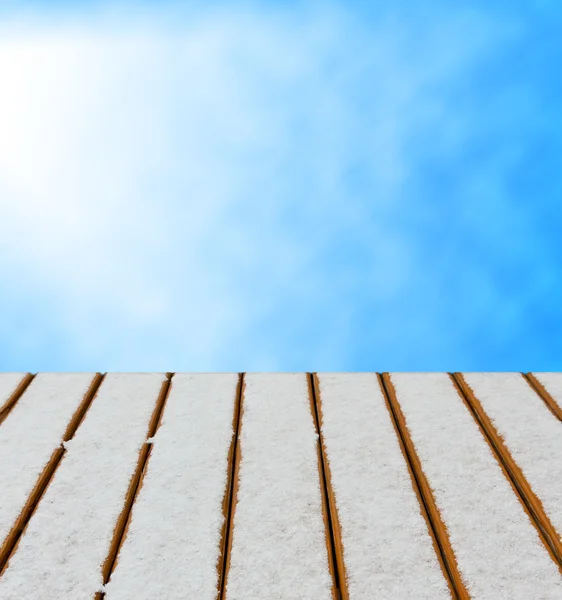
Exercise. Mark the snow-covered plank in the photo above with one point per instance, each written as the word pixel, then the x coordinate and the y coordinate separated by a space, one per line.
pixel 498 551
pixel 532 436
pixel 549 385
pixel 279 538
pixel 10 384
pixel 387 549
pixel 173 543
pixel 29 437
pixel 61 553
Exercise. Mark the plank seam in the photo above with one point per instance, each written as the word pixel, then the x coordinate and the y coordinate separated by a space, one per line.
pixel 542 392
pixel 12 540
pixel 234 493
pixel 15 396
pixel 122 525
pixel 513 473
pixel 229 498
pixel 334 544
pixel 428 505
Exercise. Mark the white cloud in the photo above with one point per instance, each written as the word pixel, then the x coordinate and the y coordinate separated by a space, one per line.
pixel 190 177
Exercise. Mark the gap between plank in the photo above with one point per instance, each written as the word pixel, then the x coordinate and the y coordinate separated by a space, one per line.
pixel 122 526
pixel 235 474
pixel 15 396
pixel 230 493
pixel 539 388
pixel 333 539
pixel 436 526
pixel 13 538
pixel 528 499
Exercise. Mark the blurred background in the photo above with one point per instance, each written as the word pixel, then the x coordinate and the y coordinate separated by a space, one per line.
pixel 335 185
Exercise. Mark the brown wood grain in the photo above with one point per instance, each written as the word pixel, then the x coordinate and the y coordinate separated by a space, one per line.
pixel 527 497
pixel 338 568
pixel 234 497
pixel 430 511
pixel 229 496
pixel 539 388
pixel 327 511
pixel 6 408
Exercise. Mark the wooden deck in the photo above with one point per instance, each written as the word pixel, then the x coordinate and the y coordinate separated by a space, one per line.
pixel 351 486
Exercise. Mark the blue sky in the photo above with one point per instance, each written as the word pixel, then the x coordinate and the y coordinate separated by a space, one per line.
pixel 280 186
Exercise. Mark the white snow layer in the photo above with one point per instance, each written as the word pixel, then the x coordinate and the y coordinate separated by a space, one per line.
pixel 61 554
pixel 552 382
pixel 8 384
pixel 388 552
pixel 33 430
pixel 498 551
pixel 279 544
pixel 173 543
pixel 532 434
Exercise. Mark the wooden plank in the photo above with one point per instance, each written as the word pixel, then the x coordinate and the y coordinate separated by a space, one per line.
pixel 498 551
pixel 430 510
pixel 30 446
pixel 173 543
pixel 135 483
pixel 12 386
pixel 279 540
pixel 62 551
pixel 549 388
pixel 528 439
pixel 387 549
pixel 334 545
pixel 231 495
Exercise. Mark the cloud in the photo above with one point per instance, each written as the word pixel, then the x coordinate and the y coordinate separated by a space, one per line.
pixel 227 187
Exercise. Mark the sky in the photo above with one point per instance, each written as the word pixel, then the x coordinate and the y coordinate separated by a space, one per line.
pixel 281 186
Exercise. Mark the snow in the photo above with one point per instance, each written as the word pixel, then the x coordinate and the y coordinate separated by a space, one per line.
pixel 30 434
pixel 532 434
pixel 279 544
pixel 552 382
pixel 498 551
pixel 69 536
pixel 8 384
pixel 388 551
pixel 173 543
